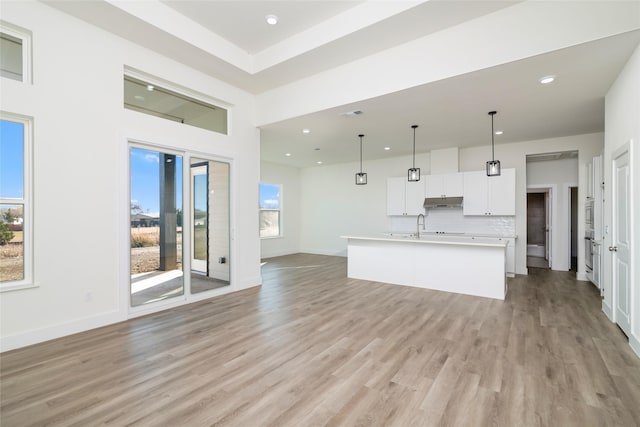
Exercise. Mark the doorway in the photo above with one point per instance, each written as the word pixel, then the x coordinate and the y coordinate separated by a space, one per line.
pixel 538 229
pixel 573 226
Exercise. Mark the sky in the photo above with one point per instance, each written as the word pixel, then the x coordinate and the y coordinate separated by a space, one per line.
pixel 145 180
pixel 11 160
pixel 269 196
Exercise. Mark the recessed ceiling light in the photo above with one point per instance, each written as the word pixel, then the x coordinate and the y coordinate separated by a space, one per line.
pixel 139 97
pixel 150 88
pixel 387 148
pixel 319 162
pixel 499 132
pixel 287 154
pixel 547 79
pixel 271 19
pixel 352 113
pixel 306 131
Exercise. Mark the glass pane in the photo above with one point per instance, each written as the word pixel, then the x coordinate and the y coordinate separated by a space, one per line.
pixel 210 225
pixel 11 160
pixel 200 215
pixel 156 226
pixel 269 196
pixel 156 101
pixel 11 243
pixel 10 57
pixel 269 223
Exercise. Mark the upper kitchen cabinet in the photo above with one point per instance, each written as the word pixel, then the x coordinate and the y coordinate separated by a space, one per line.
pixel 404 197
pixel 445 185
pixel 490 195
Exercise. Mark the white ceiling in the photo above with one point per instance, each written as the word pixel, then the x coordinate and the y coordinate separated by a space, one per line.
pixel 230 41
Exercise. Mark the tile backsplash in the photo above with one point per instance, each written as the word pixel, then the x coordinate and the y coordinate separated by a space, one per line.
pixel 453 221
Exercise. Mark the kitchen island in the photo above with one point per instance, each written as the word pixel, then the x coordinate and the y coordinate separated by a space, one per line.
pixel 445 263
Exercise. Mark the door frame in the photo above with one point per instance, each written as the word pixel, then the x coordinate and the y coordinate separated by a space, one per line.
pixel 551 192
pixel 125 231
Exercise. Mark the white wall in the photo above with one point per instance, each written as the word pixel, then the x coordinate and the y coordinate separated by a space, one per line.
pixel 289 178
pixel 80 168
pixel 622 125
pixel 561 175
pixel 331 205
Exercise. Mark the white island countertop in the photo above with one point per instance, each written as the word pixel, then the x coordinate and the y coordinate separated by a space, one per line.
pixel 434 239
pixel 461 264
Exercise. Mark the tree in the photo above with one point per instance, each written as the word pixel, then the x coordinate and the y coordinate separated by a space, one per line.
pixel 179 217
pixel 9 217
pixel 136 209
pixel 5 234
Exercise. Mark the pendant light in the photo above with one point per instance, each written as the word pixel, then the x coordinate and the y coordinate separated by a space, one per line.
pixel 361 177
pixel 414 172
pixel 493 166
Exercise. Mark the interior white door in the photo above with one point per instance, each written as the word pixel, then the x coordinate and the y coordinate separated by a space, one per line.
pixel 547 226
pixel 620 242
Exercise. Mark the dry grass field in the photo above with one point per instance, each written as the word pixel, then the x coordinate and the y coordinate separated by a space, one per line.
pixel 145 249
pixel 145 253
pixel 11 260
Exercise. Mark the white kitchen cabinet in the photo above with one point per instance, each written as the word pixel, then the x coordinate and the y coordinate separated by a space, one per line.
pixel 404 197
pixel 490 195
pixel 445 185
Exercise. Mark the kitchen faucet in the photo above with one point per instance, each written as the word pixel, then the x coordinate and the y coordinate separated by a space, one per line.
pixel 418 225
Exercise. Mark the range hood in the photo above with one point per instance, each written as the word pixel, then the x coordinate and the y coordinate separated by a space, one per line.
pixel 442 202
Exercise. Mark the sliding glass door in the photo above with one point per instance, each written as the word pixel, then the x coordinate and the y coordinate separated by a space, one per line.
pixel 209 225
pixel 156 226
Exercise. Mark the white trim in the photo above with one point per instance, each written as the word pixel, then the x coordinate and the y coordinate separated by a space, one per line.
pixel 552 190
pixel 634 343
pixel 125 260
pixel 27 281
pixel 27 52
pixel 608 311
pixel 35 336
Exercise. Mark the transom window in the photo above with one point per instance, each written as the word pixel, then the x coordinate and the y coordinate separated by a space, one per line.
pixel 15 53
pixel 149 98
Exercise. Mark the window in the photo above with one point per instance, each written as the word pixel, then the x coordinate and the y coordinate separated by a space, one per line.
pixel 149 98
pixel 15 53
pixel 270 217
pixel 15 198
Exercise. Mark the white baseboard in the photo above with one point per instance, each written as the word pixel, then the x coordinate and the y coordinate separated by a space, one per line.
pixel 606 308
pixel 268 254
pixel 342 253
pixel 247 283
pixel 36 336
pixel 582 276
pixel 635 344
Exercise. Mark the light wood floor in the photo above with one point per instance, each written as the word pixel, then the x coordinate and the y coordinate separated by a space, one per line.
pixel 311 347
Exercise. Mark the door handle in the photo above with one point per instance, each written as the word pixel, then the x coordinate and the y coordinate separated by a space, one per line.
pixel 613 248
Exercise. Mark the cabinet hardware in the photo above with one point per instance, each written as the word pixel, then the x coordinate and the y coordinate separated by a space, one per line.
pixel 613 248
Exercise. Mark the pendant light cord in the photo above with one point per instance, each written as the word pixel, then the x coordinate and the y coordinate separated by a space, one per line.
pixel 414 145
pixel 493 157
pixel 360 152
